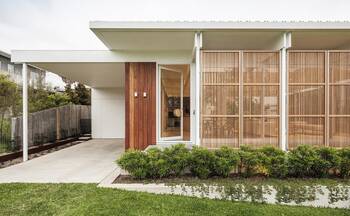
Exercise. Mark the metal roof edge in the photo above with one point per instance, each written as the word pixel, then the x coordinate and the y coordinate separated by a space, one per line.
pixel 217 25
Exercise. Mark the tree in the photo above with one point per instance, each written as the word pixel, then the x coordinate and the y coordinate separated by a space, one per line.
pixel 79 94
pixel 9 98
pixel 40 99
pixel 82 94
pixel 70 92
pixel 56 99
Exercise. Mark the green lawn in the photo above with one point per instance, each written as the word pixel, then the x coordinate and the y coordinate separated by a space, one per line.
pixel 87 199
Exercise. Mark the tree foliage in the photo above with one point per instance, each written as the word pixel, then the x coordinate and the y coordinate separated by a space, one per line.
pixel 9 99
pixel 9 95
pixel 40 99
pixel 79 94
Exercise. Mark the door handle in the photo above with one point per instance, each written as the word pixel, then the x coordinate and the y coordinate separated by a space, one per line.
pixel 135 94
pixel 144 94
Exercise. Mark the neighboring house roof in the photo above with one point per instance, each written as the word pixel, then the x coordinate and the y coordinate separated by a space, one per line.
pixel 2 53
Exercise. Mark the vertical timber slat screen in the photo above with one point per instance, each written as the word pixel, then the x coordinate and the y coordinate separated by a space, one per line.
pixel 314 88
pixel 339 93
pixel 220 101
pixel 318 98
pixel 306 98
pixel 261 98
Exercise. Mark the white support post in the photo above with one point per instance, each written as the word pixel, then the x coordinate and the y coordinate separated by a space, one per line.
pixel 198 45
pixel 25 110
pixel 284 92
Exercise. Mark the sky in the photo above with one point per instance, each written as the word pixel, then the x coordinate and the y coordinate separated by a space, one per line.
pixel 64 24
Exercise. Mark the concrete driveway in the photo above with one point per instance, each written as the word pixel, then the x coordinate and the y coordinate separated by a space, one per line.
pixel 88 162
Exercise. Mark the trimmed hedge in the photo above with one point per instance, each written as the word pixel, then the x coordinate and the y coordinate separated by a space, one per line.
pixel 177 160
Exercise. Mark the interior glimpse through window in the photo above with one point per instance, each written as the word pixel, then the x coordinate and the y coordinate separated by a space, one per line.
pixel 175 102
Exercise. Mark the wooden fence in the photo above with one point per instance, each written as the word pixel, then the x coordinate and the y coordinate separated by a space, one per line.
pixel 53 124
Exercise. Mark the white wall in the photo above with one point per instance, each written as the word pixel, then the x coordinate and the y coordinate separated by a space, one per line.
pixel 108 112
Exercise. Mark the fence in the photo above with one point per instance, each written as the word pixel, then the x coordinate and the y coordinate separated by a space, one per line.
pixel 5 135
pixel 48 126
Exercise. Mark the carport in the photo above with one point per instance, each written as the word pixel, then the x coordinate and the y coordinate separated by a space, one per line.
pixel 88 162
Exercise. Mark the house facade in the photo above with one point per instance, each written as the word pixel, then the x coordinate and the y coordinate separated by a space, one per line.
pixel 213 83
pixel 36 76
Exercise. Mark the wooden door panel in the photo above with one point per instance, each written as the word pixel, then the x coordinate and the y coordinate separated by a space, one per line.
pixel 140 113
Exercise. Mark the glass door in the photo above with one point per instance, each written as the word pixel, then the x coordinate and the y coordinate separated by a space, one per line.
pixel 171 86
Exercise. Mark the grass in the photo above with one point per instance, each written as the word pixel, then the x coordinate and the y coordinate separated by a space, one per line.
pixel 87 199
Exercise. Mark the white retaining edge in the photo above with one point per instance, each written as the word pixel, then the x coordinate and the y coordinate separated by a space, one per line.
pixel 109 179
pixel 211 193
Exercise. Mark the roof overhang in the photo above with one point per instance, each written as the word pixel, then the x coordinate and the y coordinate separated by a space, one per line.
pixel 173 43
pixel 95 68
pixel 221 35
pixel 212 25
pixel 143 39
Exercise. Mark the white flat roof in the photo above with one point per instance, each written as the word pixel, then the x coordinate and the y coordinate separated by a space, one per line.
pixel 125 35
pixel 219 25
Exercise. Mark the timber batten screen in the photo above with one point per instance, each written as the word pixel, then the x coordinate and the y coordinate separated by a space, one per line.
pixel 261 98
pixel 318 98
pixel 240 98
pixel 339 93
pixel 306 98
pixel 220 99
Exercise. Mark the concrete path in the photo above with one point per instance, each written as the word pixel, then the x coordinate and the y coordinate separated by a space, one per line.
pixel 88 162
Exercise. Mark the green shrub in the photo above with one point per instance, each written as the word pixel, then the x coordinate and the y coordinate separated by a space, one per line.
pixel 201 162
pixel 328 160
pixel 226 159
pixel 344 166
pixel 135 162
pixel 302 161
pixel 177 157
pixel 250 161
pixel 275 162
pixel 158 166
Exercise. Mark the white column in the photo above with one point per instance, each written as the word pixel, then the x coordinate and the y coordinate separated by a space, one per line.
pixel 284 91
pixel 25 110
pixel 198 44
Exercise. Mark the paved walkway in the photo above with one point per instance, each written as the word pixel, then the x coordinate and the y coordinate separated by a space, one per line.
pixel 88 162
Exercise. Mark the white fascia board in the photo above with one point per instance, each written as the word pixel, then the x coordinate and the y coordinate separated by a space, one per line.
pixel 200 26
pixel 103 56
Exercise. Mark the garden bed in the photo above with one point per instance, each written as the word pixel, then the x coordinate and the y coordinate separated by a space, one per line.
pixel 304 176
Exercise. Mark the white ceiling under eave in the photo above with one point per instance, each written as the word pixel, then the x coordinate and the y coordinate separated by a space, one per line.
pixel 271 40
pixel 242 40
pixel 146 40
pixel 320 40
pixel 95 75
